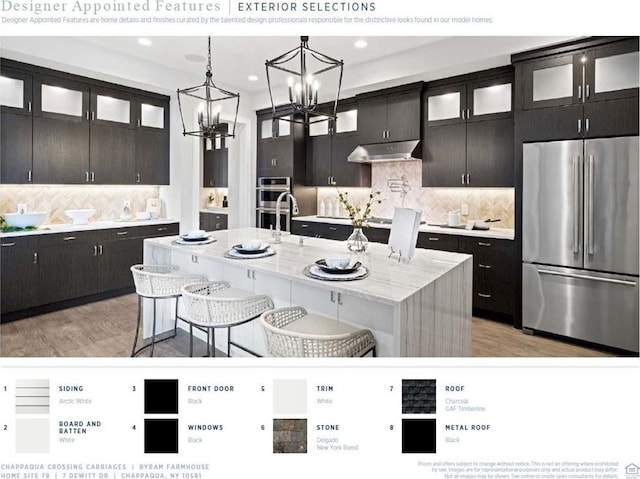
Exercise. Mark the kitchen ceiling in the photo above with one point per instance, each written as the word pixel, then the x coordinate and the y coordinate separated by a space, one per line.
pixel 385 61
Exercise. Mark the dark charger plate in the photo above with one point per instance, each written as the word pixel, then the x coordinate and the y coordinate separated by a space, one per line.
pixel 240 250
pixel 323 266
pixel 195 240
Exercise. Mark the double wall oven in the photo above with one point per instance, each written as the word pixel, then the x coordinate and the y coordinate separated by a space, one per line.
pixel 268 191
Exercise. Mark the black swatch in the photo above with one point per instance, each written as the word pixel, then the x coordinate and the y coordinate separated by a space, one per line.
pixel 418 396
pixel 419 436
pixel 161 436
pixel 290 436
pixel 161 396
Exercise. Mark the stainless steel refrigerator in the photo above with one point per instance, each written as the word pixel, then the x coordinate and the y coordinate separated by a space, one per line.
pixel 580 240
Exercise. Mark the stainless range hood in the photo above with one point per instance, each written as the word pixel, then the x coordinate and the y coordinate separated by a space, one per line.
pixel 392 151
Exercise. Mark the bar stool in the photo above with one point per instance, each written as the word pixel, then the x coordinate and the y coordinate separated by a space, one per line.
pixel 214 304
pixel 158 282
pixel 292 332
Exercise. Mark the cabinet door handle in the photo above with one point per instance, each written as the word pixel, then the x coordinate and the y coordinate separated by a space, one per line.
pixel 29 176
pixel 93 115
pixel 484 295
pixel 468 113
pixel 433 239
pixel 462 114
pixel 137 177
pixel 163 229
pixel 579 92
pixel 586 125
pixel 586 91
pixel 29 106
pixel 87 115
pixel 95 250
pixel 100 249
pixel 333 300
pixel 86 176
pixel 122 233
pixel 332 228
pixel 253 275
pixel 35 258
pixel 462 178
pixel 304 226
pixel 249 274
pixel 139 122
pixel 328 180
pixel 480 243
pixel 340 298
pixel 468 178
pixel 6 245
pixel 579 125
pixel 93 177
pixel 69 238
pixel 484 266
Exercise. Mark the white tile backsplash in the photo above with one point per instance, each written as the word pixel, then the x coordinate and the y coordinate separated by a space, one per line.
pixel 106 200
pixel 484 203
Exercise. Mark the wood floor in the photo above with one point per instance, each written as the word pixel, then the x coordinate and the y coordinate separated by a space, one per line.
pixel 106 329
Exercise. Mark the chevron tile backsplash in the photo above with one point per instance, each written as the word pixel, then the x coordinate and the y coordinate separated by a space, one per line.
pixel 106 200
pixel 484 203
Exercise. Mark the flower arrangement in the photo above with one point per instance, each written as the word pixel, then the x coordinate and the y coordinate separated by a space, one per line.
pixel 211 199
pixel 357 213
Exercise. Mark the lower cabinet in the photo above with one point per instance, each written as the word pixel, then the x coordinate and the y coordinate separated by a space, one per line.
pixel 19 259
pixel 214 221
pixel 43 269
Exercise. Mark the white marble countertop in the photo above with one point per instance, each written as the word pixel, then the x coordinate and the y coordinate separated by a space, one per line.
pixel 389 281
pixel 215 209
pixel 497 233
pixel 91 226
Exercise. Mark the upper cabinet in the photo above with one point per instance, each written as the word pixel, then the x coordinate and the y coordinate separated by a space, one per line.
pixel 583 89
pixel 390 115
pixel 59 128
pixel 16 124
pixel 468 130
pixel 216 164
pixel 329 144
pixel 280 142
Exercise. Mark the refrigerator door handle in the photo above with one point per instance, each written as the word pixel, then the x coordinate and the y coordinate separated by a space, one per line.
pixel 590 228
pixel 576 204
pixel 584 276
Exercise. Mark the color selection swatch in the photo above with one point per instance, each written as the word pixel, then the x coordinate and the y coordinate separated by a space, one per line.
pixel 418 396
pixel 32 396
pixel 419 436
pixel 161 436
pixel 32 436
pixel 161 396
pixel 289 396
pixel 290 436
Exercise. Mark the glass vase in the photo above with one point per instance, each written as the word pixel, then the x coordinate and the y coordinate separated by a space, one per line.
pixel 357 242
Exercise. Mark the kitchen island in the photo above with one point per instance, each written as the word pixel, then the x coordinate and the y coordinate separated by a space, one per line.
pixel 416 308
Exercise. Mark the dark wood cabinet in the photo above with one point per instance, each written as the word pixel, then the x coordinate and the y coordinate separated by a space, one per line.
pixel 19 256
pixel 327 163
pixel 304 228
pixel 468 131
pixel 16 148
pixel 50 269
pixel 333 231
pixel 214 221
pixel 67 129
pixel 275 157
pixel 494 273
pixel 113 155
pixel 390 116
pixel 215 165
pixel 60 151
pixel 68 266
pixel 442 242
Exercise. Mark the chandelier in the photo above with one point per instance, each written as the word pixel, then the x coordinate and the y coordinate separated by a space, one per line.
pixel 213 102
pixel 303 66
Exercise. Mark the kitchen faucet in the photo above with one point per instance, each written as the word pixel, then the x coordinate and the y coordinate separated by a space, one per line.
pixel 277 233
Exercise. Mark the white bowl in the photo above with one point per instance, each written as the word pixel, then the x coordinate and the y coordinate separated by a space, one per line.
pixel 23 220
pixel 194 234
pixel 143 215
pixel 252 244
pixel 337 261
pixel 80 217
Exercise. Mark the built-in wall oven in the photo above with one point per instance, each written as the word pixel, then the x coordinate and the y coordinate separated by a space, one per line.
pixel 267 193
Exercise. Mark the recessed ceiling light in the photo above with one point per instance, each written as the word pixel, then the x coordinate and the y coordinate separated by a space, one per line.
pixel 145 42
pixel 252 78
pixel 195 58
pixel 361 44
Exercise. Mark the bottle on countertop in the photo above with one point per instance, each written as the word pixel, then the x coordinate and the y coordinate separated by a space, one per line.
pixel 225 203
